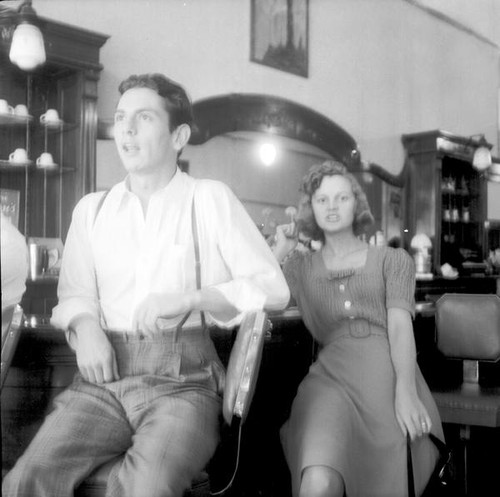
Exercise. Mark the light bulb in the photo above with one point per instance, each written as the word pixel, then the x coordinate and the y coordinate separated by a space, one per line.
pixel 482 158
pixel 27 50
pixel 267 153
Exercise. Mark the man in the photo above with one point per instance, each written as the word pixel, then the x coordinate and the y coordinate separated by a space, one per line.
pixel 149 379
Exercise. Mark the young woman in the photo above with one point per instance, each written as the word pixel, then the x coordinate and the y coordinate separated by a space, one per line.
pixel 348 424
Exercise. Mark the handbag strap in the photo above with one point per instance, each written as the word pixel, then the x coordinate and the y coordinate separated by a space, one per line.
pixel 444 457
pixel 409 464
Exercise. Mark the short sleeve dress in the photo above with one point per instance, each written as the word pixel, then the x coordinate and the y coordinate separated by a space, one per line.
pixel 343 415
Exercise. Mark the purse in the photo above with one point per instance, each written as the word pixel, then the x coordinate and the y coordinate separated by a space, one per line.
pixel 440 483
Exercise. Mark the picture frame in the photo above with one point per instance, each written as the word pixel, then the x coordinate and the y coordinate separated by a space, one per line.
pixel 280 35
pixel 10 201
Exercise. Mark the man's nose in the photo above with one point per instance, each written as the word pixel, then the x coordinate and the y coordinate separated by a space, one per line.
pixel 130 128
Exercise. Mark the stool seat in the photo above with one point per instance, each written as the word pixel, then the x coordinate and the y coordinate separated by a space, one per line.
pixel 469 404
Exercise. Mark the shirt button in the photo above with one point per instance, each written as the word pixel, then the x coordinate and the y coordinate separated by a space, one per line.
pixel 347 304
pixel 342 287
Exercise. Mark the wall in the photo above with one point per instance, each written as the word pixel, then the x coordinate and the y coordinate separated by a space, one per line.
pixel 378 69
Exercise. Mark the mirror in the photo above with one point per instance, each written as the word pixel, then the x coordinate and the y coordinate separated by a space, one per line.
pixel 230 134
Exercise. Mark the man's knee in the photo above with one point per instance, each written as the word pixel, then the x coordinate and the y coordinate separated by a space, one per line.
pixel 321 481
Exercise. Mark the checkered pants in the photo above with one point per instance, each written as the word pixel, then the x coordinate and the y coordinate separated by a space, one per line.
pixel 163 415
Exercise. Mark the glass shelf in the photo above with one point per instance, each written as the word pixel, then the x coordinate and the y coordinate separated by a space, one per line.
pixel 7 165
pixel 14 120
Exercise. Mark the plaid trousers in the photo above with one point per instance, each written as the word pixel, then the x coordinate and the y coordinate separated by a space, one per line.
pixel 162 415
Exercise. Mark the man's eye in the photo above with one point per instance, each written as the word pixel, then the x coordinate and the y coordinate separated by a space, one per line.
pixel 145 117
pixel 118 118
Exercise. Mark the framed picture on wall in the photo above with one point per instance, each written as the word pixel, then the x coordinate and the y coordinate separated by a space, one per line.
pixel 280 34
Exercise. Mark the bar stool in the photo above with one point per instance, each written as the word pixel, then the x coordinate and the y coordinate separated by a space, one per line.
pixel 468 330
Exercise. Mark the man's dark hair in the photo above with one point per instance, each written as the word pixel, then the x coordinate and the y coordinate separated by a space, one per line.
pixel 177 102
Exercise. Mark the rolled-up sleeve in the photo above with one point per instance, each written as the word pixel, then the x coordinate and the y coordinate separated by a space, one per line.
pixel 76 290
pixel 256 281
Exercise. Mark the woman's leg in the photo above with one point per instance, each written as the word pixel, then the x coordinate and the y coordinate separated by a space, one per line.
pixel 321 481
pixel 86 428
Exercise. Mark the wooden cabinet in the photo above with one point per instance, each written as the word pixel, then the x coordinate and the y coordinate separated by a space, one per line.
pixel 43 198
pixel 67 83
pixel 446 198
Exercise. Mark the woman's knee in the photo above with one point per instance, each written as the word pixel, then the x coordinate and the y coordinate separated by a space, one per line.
pixel 321 481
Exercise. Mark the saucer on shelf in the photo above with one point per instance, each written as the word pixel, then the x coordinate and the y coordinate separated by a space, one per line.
pixel 53 124
pixel 20 163
pixel 47 167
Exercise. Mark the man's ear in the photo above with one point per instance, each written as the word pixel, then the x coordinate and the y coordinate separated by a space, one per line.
pixel 181 136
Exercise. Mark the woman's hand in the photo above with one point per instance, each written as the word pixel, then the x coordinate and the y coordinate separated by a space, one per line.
pixel 286 240
pixel 160 305
pixel 411 414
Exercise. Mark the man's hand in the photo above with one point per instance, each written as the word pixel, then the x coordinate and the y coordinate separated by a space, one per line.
pixel 95 355
pixel 160 305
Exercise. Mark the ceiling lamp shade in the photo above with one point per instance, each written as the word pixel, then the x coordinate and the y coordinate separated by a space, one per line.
pixel 27 50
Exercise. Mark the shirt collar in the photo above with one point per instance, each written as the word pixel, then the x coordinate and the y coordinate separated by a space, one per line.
pixel 120 193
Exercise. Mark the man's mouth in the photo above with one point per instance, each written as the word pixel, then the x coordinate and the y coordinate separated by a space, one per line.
pixel 130 148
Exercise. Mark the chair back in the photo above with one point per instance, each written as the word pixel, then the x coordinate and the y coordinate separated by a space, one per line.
pixel 244 365
pixel 13 317
pixel 468 326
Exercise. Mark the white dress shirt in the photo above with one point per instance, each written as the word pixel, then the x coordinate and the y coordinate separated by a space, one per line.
pixel 132 255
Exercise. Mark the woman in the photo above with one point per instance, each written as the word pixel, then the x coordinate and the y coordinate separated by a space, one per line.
pixel 348 424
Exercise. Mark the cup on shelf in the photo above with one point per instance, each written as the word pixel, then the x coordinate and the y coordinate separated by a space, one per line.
pixel 45 160
pixel 5 108
pixel 21 110
pixel 19 156
pixel 51 117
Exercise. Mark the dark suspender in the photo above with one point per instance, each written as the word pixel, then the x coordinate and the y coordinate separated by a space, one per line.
pixel 197 264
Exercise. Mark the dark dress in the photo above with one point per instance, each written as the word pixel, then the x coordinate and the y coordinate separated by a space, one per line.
pixel 343 415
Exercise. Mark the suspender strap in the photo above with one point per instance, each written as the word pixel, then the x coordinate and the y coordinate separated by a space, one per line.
pixel 194 227
pixel 102 319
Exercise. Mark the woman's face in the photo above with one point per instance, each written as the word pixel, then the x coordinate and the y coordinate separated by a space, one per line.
pixel 334 204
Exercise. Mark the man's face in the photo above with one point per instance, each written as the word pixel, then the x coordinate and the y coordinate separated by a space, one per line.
pixel 142 135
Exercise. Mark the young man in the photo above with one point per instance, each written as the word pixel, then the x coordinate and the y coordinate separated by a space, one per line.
pixel 149 382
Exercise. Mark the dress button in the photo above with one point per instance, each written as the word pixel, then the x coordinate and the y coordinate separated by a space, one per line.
pixel 342 287
pixel 351 317
pixel 347 304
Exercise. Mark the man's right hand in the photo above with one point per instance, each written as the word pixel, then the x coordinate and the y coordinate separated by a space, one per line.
pixel 95 355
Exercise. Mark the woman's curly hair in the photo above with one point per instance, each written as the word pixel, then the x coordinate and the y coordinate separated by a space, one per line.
pixel 306 222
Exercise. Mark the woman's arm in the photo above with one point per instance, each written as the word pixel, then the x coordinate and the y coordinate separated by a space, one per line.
pixel 411 414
